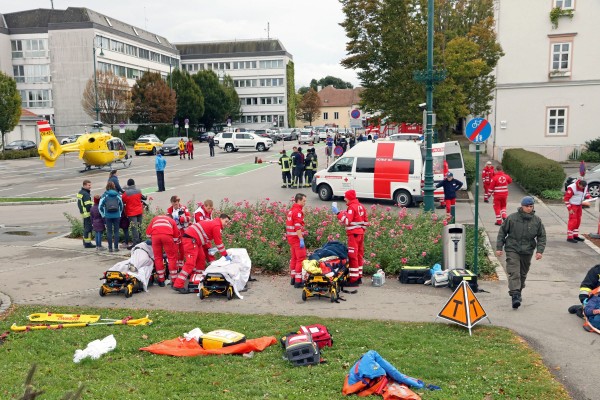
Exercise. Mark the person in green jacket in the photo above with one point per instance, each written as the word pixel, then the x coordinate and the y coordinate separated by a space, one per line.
pixel 521 234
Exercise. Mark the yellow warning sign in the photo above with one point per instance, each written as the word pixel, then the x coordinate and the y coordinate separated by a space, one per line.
pixel 463 308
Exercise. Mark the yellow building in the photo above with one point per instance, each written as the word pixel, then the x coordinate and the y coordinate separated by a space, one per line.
pixel 336 105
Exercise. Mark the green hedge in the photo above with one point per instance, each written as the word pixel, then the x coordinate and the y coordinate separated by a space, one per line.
pixel 589 156
pixel 533 171
pixel 470 172
pixel 15 154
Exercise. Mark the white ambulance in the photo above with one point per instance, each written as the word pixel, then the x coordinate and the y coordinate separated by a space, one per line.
pixel 384 170
pixel 449 152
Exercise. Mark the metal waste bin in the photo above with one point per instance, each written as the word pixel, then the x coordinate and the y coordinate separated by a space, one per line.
pixel 454 248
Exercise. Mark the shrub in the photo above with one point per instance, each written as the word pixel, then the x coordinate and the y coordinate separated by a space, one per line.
pixel 589 156
pixel 533 171
pixel 552 194
pixel 593 145
pixel 470 172
pixel 16 154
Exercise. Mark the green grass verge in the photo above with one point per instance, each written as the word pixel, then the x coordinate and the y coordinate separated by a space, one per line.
pixel 492 364
pixel 28 199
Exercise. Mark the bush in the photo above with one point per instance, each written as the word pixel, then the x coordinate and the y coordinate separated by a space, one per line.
pixel 589 156
pixel 16 154
pixel 533 171
pixel 593 145
pixel 470 172
pixel 552 194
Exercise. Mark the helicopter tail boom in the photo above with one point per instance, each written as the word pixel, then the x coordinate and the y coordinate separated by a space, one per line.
pixel 50 149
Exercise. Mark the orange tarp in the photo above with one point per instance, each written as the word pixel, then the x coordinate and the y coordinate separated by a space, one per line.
pixel 190 348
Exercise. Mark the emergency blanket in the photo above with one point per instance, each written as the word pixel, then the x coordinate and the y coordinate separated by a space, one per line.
pixel 332 248
pixel 236 271
pixel 181 347
pixel 139 265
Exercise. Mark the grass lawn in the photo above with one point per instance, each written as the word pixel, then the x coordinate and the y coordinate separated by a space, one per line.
pixel 27 199
pixel 492 364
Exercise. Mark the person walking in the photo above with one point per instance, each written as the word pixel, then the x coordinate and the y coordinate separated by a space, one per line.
pixel 195 237
pixel 520 235
pixel 189 147
pixel 111 207
pixel 499 189
pixel 486 176
pixel 112 177
pixel 165 235
pixel 160 164
pixel 355 220
pixel 574 197
pixel 295 232
pixel 132 198
pixel 285 162
pixel 211 145
pixel 85 203
pixel 451 186
pixel 97 223
pixel 181 146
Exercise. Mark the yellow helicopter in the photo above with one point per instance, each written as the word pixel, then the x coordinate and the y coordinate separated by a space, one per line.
pixel 96 149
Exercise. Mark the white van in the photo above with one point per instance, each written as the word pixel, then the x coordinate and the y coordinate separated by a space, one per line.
pixel 376 170
pixel 451 153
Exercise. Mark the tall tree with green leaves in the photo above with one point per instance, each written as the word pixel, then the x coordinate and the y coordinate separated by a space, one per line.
pixel 309 108
pixel 291 94
pixel 337 83
pixel 216 102
pixel 388 42
pixel 153 100
pixel 234 108
pixel 10 105
pixel 190 99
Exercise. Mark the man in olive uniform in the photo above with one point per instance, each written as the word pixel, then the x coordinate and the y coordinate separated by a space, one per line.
pixel 85 203
pixel 286 165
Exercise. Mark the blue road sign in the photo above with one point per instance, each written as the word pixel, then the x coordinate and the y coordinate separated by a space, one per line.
pixel 478 130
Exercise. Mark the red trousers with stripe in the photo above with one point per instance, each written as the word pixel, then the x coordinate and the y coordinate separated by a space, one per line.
pixel 194 261
pixel 160 242
pixel 500 206
pixel 298 255
pixel 356 252
pixel 574 221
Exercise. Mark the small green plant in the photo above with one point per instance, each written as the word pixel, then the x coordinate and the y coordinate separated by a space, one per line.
pixel 558 12
pixel 589 156
pixel 552 194
pixel 76 225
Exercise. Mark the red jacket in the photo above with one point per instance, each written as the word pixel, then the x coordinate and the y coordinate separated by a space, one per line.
pixel 201 214
pixel 354 218
pixel 132 198
pixel 499 184
pixel 182 220
pixel 163 225
pixel 294 221
pixel 487 174
pixel 206 231
pixel 575 196
pixel 189 146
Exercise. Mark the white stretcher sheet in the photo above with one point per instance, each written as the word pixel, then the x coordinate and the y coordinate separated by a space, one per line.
pixel 140 264
pixel 236 271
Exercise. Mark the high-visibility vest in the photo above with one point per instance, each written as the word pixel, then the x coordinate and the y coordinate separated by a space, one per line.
pixel 286 163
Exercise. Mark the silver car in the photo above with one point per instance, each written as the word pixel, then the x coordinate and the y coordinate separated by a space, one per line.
pixel 592 177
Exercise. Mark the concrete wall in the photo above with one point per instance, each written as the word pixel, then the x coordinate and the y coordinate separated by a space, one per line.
pixel 5 55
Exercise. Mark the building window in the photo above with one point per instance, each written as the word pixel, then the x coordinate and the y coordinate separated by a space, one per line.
pixel 561 56
pixel 325 116
pixel 30 48
pixel 35 98
pixel 557 121
pixel 565 4
pixel 336 115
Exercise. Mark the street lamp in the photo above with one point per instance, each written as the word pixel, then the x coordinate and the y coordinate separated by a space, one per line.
pixel 171 87
pixel 94 48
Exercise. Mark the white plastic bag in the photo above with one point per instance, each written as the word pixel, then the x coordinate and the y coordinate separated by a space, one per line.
pixel 95 349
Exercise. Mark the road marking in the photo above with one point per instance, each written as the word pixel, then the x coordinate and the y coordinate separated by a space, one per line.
pixel 40 191
pixel 234 170
pixel 192 184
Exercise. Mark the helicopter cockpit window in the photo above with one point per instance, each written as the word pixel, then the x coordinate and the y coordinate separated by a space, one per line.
pixel 116 144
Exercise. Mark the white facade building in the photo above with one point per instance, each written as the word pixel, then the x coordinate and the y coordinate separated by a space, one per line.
pixel 51 55
pixel 258 69
pixel 548 82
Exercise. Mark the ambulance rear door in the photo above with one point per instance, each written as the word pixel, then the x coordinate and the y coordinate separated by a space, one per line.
pixel 456 164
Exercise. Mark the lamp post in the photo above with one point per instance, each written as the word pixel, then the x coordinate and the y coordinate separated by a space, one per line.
pixel 430 78
pixel 94 48
pixel 171 87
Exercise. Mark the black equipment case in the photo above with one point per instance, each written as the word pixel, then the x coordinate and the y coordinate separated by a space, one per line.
pixel 414 274
pixel 456 276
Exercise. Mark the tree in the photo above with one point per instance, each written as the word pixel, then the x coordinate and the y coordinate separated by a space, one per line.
pixel 388 43
pixel 10 105
pixel 190 100
pixel 114 98
pixel 330 80
pixel 153 100
pixel 216 100
pixel 234 108
pixel 309 109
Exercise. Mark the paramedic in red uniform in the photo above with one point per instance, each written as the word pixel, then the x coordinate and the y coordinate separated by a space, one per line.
pixel 204 212
pixel 165 235
pixel 499 188
pixel 181 216
pixel 294 232
pixel 486 176
pixel 575 194
pixel 195 237
pixel 355 219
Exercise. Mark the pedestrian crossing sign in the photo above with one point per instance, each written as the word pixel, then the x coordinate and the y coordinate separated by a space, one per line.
pixel 463 308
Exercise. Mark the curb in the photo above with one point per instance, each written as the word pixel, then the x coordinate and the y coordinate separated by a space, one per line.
pixel 22 203
pixel 5 303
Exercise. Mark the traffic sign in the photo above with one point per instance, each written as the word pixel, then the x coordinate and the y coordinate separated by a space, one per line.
pixel 478 130
pixel 463 308
pixel 355 114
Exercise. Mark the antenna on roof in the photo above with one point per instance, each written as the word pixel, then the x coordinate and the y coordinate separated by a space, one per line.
pixel 268 31
pixel 52 4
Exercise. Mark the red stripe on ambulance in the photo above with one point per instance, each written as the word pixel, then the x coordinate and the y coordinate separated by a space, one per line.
pixel 388 170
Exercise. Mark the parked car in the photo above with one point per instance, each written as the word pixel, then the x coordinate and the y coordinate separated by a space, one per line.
pixel 233 141
pixel 412 137
pixel 20 145
pixel 71 139
pixel 171 145
pixel 203 136
pixel 592 177
pixel 323 134
pixel 266 135
pixel 288 134
pixel 148 145
pixel 149 135
pixel 308 136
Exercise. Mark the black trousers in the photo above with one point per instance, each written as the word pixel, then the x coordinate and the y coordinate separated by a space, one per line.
pixel 212 150
pixel 160 179
pixel 287 177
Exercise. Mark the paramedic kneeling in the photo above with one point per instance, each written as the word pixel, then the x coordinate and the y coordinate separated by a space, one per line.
pixel 165 235
pixel 195 237
pixel 355 220
pixel 520 234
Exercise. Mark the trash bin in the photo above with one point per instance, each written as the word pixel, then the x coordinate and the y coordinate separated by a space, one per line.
pixel 454 246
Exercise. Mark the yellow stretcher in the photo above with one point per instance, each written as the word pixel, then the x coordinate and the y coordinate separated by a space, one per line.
pixel 124 321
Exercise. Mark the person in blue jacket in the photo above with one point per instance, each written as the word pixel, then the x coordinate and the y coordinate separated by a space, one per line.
pixel 160 163
pixel 111 210
pixel 450 186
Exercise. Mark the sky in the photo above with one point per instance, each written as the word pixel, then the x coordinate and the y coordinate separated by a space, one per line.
pixel 308 29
